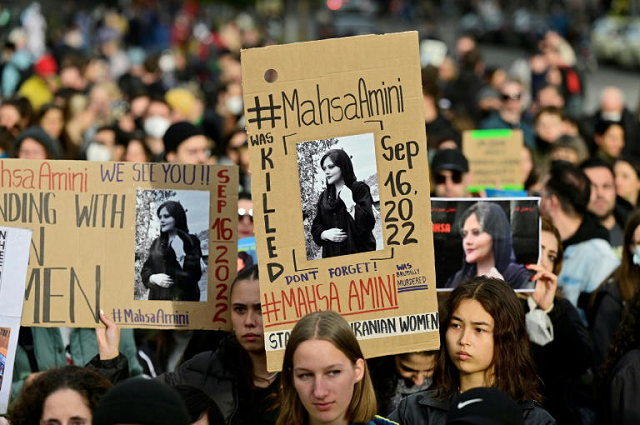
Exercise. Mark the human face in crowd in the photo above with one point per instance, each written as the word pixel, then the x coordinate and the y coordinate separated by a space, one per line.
pixel 469 340
pixel 245 218
pixel 325 380
pixel 53 122
pixel 549 127
pixel 477 243
pixel 603 192
pixel 511 96
pixel 65 407
pixel 415 367
pixel 526 161
pixel 635 240
pixel 194 150
pixel 238 149
pixel 549 96
pixel 158 109
pixel 332 172
pixel 565 154
pixel 167 222
pixel 9 117
pixel 548 251
pixel 612 141
pixel 450 184
pixel 135 152
pixel 30 149
pixel 246 315
pixel 627 181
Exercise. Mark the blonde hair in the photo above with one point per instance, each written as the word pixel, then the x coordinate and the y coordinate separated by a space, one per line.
pixel 332 327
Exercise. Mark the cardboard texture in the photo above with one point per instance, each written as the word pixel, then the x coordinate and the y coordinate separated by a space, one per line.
pixel 14 256
pixel 494 158
pixel 367 251
pixel 513 224
pixel 101 241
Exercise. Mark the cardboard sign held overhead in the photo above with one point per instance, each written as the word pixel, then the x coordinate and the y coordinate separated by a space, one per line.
pixel 494 158
pixel 14 256
pixel 153 245
pixel 341 189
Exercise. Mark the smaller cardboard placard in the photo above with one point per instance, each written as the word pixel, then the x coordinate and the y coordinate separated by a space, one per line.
pixel 14 257
pixel 495 158
pixel 151 244
pixel 509 229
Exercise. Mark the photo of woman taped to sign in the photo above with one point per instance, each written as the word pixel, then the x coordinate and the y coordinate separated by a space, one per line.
pixel 496 237
pixel 339 193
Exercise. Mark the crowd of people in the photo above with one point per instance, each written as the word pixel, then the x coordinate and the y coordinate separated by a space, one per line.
pixel 125 85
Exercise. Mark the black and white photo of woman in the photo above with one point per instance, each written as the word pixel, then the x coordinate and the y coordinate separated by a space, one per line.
pixel 173 267
pixel 345 219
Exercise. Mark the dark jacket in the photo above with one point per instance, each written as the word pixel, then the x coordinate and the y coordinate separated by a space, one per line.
pixel 623 387
pixel 162 259
pixel 218 373
pixel 608 309
pixel 425 409
pixel 332 213
pixel 562 362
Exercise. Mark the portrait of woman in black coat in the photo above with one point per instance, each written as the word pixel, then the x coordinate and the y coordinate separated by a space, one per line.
pixel 172 269
pixel 345 219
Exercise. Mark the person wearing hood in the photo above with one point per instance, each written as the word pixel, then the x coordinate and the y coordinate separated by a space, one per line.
pixel 488 248
pixel 588 258
pixel 35 143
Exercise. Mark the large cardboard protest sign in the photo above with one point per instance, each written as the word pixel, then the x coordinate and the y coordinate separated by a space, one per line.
pixel 153 245
pixel 494 158
pixel 341 189
pixel 468 231
pixel 14 256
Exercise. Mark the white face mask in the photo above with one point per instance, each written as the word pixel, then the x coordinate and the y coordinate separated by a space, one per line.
pixel 611 116
pixel 636 256
pixel 98 152
pixel 234 105
pixel 156 126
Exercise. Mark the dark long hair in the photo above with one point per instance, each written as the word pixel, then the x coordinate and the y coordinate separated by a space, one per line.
pixel 625 339
pixel 342 161
pixel 627 275
pixel 514 369
pixel 493 220
pixel 176 211
pixel 28 408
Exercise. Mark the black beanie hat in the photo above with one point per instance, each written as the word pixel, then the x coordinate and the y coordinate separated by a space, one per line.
pixel 51 145
pixel 177 133
pixel 141 401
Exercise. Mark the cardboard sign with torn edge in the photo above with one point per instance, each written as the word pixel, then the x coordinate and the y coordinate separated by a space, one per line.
pixel 341 189
pixel 495 159
pixel 152 244
pixel 14 257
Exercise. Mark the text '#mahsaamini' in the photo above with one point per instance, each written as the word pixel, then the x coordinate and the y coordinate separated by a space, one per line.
pixel 367 100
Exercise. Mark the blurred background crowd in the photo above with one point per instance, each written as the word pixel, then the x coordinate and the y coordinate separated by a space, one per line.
pixel 149 80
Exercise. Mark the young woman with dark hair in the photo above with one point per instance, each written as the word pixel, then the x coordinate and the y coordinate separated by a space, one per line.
pixel 488 247
pixel 325 379
pixel 344 219
pixel 485 344
pixel 616 291
pixel 172 269
pixel 67 395
pixel 560 343
pixel 235 375
pixel 621 370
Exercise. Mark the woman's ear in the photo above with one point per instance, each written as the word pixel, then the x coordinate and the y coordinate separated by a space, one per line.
pixel 359 367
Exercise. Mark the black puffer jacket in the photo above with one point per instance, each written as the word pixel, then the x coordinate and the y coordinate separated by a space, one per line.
pixel 219 374
pixel 424 408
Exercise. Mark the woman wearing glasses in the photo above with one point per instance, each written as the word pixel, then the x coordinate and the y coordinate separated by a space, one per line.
pixel 344 220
